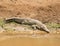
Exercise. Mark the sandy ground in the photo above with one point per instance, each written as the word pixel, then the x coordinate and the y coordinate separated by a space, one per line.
pixel 46 10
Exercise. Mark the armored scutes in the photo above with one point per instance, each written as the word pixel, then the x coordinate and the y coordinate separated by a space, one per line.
pixel 27 21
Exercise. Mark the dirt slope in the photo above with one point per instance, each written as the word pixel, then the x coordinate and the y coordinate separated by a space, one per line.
pixel 43 10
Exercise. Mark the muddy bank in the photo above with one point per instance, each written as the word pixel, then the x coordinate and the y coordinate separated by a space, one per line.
pixel 42 10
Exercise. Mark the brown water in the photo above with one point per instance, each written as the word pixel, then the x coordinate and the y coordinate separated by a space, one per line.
pixel 30 40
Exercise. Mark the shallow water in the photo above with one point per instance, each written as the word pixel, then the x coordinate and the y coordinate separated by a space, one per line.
pixel 30 40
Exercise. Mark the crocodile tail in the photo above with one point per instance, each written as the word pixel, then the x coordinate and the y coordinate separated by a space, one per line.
pixel 10 20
